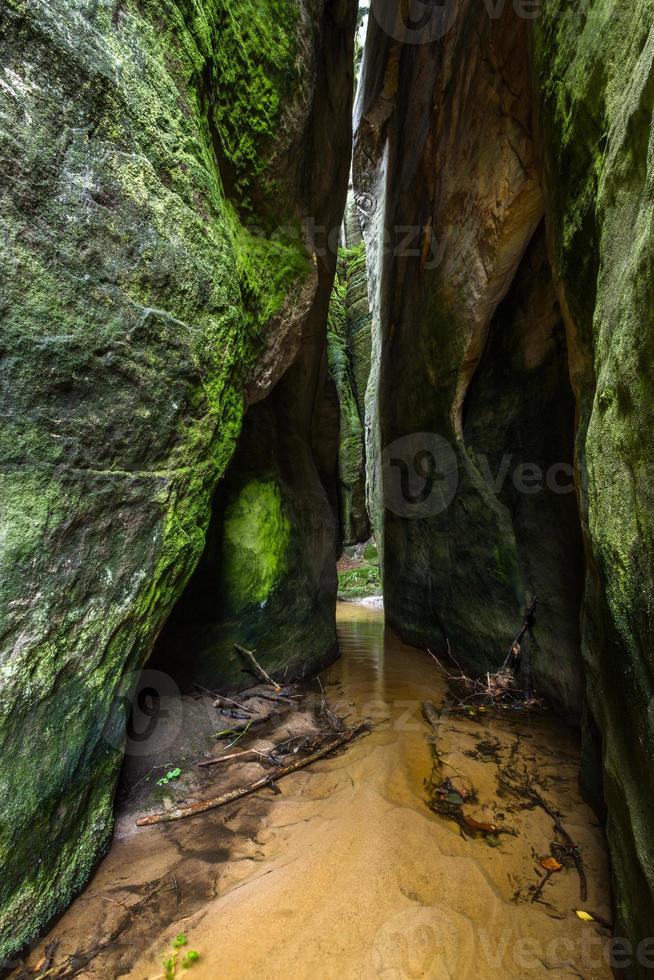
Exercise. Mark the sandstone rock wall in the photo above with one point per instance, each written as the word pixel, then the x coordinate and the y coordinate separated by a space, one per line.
pixel 158 160
pixel 472 138
pixel 447 185
pixel 349 347
pixel 594 71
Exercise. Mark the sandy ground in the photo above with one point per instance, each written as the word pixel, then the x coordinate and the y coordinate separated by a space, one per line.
pixel 347 873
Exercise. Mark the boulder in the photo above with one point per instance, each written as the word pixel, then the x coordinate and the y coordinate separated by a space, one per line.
pixel 160 160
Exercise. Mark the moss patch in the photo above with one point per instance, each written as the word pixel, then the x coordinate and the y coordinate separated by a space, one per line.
pixel 358 573
pixel 256 541
pixel 348 341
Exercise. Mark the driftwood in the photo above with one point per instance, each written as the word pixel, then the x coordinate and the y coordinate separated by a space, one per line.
pixel 179 813
pixel 496 690
pixel 249 656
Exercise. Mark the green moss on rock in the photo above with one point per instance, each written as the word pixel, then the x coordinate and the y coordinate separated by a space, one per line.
pixel 267 578
pixel 348 355
pixel 255 68
pixel 359 576
pixel 256 539
pixel 135 307
pixel 595 75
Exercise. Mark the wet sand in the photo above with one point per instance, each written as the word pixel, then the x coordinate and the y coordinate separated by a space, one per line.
pixel 347 873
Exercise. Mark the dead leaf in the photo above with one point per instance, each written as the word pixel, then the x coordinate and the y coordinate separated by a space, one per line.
pixel 479 827
pixel 584 916
pixel 550 864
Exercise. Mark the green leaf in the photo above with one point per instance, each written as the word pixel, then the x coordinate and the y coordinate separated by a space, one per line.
pixel 181 940
pixel 173 774
pixel 190 958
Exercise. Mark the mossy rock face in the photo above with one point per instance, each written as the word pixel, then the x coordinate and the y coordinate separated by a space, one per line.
pixel 348 356
pixel 267 578
pixel 256 538
pixel 519 420
pixel 594 71
pixel 138 305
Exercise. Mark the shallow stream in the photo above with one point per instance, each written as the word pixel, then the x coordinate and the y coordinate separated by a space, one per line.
pixel 347 873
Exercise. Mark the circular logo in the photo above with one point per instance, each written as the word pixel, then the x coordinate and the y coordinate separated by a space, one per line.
pixel 415 21
pixel 146 713
pixel 420 475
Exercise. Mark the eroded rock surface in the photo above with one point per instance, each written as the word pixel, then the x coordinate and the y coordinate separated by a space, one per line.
pixel 519 420
pixel 141 142
pixel 447 184
pixel 595 69
pixel 349 343
pixel 455 139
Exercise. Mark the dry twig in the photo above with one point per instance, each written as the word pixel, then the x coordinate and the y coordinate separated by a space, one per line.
pixel 528 791
pixel 249 655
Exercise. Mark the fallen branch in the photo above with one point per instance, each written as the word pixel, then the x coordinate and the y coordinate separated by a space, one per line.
pixel 249 655
pixel 539 891
pixel 570 847
pixel 218 703
pixel 253 752
pixel 193 809
pixel 275 697
pixel 440 666
pixel 515 649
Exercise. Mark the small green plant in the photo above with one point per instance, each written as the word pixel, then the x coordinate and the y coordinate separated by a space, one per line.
pixel 168 778
pixel 170 964
pixel 232 731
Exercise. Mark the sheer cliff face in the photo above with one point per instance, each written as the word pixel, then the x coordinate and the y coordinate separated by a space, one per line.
pixel 447 181
pixel 478 337
pixel 348 355
pixel 595 73
pixel 140 316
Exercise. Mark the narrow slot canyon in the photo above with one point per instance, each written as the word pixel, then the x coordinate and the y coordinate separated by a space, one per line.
pixel 326 367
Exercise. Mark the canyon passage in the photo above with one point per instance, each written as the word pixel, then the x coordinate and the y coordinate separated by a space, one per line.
pixel 326 355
